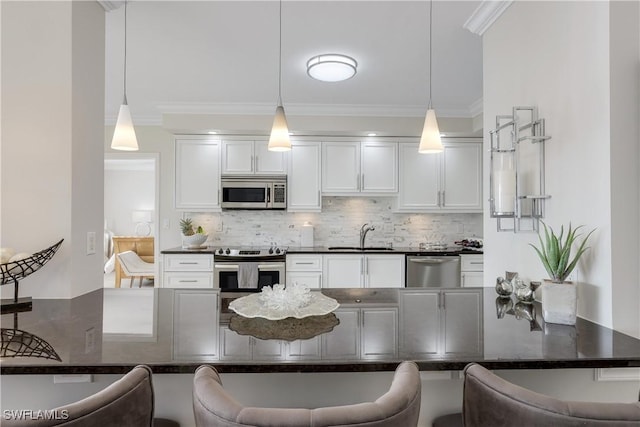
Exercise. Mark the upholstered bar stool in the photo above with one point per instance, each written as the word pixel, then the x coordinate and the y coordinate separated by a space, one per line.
pixel 492 401
pixel 127 402
pixel 400 406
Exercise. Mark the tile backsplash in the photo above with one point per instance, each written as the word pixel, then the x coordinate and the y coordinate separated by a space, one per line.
pixel 338 225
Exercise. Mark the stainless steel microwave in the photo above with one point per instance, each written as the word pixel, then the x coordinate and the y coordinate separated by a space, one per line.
pixel 254 191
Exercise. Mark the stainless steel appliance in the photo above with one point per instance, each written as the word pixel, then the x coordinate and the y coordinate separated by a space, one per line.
pixel 248 269
pixel 254 191
pixel 431 271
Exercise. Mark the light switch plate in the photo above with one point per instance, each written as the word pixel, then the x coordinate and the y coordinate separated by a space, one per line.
pixel 91 242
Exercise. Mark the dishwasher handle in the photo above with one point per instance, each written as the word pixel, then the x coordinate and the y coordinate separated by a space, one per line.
pixel 425 260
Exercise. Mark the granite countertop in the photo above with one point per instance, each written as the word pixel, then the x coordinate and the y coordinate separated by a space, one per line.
pixel 175 331
pixel 209 250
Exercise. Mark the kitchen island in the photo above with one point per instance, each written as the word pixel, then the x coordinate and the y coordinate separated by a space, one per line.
pixel 177 330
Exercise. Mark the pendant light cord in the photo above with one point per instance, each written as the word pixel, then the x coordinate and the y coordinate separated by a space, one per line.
pixel 125 53
pixel 430 39
pixel 280 59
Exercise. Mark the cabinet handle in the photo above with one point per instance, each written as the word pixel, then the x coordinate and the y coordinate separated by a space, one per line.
pixel 187 281
pixel 188 263
pixel 438 203
pixel 361 266
pixel 218 196
pixel 256 164
pixel 462 277
pixel 443 200
pixel 319 197
pixel 358 181
pixel 303 263
pixel 362 180
pixel 476 262
pixel 444 301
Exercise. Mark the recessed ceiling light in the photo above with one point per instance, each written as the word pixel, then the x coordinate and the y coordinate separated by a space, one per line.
pixel 332 67
pixel 212 132
pixel 371 134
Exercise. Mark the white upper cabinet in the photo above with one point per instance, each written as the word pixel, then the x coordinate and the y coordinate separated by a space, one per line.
pixel 447 182
pixel 251 157
pixel 303 180
pixel 359 167
pixel 197 174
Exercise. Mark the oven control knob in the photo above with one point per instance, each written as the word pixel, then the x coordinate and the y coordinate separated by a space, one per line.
pixel 270 250
pixel 277 250
pixel 227 251
pixel 220 251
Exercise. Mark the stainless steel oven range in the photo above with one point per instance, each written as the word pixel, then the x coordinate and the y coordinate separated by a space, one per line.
pixel 248 269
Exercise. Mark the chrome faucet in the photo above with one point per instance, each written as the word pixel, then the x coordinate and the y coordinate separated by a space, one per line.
pixel 363 233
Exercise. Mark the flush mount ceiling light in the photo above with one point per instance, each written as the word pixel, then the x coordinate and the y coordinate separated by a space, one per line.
pixel 332 67
pixel 124 135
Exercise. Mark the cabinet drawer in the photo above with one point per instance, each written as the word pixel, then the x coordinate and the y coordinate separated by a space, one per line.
pixel 304 262
pixel 471 262
pixel 187 280
pixel 188 262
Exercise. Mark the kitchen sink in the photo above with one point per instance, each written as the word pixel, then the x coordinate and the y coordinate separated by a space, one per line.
pixel 355 248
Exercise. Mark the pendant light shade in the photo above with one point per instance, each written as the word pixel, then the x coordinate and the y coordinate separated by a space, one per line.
pixel 430 141
pixel 124 135
pixel 279 139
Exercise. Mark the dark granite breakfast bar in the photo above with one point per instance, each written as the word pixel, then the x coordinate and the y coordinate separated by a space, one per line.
pixel 372 330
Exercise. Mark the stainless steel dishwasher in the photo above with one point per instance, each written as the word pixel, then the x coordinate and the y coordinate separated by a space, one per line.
pixel 428 271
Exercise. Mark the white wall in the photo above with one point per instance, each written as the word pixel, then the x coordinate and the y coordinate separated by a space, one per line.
pixel 563 68
pixel 125 191
pixel 52 117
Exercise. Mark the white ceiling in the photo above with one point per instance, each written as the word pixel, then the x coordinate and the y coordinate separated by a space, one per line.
pixel 222 57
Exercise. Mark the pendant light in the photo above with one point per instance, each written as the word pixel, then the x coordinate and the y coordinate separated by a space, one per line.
pixel 279 139
pixel 430 141
pixel 124 135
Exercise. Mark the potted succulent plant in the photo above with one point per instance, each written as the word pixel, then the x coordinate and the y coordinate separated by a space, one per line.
pixel 559 297
pixel 191 238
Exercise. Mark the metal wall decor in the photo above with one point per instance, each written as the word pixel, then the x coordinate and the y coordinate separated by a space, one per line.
pixel 12 272
pixel 516 173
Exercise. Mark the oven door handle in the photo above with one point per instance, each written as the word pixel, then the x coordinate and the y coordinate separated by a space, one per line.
pixel 226 267
pixel 271 266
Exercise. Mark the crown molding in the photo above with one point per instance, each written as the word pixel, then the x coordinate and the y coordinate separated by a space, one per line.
pixel 109 5
pixel 353 110
pixel 485 15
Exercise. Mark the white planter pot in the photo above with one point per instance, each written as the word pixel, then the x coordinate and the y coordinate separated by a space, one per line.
pixel 559 303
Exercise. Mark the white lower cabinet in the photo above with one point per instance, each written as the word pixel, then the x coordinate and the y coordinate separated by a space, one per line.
pixel 436 323
pixel 195 324
pixel 472 270
pixel 304 270
pixel 234 346
pixel 187 271
pixel 368 271
pixel 367 333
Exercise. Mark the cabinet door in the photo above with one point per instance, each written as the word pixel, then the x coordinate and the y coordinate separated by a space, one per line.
pixel 462 176
pixel 195 325
pixel 462 323
pixel 379 333
pixel 343 342
pixel 304 349
pixel 197 174
pixel 420 323
pixel 268 162
pixel 469 279
pixel 234 346
pixel 267 349
pixel 237 157
pixel 340 167
pixel 303 180
pixel 384 271
pixel 379 167
pixel 311 279
pixel 419 179
pixel 342 271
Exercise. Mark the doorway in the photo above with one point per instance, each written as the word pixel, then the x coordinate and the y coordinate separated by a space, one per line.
pixel 131 188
